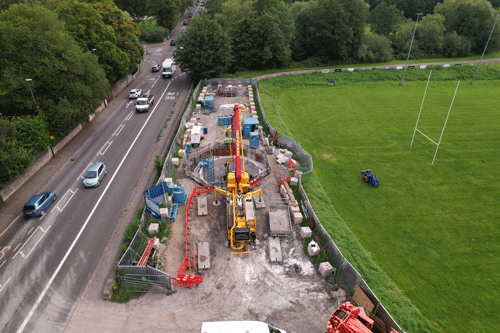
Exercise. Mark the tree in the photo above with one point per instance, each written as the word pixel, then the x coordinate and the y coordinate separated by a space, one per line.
pixel 165 11
pixel 125 31
pixel 375 48
pixel 86 26
pixel 431 34
pixel 135 8
pixel 472 19
pixel 36 45
pixel 206 50
pixel 455 45
pixel 386 19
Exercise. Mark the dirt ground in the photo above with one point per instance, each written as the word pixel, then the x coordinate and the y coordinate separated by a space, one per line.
pixel 292 295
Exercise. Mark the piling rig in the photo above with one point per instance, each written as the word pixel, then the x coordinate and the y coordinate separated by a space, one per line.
pixel 241 222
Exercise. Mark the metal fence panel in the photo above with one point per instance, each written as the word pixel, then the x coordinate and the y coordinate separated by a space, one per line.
pixel 349 275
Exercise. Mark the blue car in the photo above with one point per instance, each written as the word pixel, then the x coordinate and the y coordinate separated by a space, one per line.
pixel 38 204
pixel 94 174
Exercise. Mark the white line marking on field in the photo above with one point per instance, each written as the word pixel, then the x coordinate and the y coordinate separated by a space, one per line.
pixel 44 291
pixel 105 147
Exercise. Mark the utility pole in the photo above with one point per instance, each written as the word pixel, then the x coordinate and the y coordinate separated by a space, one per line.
pixel 479 63
pixel 412 37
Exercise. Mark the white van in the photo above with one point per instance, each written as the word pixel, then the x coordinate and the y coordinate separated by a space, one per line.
pixel 238 327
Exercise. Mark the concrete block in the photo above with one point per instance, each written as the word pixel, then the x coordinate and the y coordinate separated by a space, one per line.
pixel 164 212
pixel 259 203
pixel 168 180
pixel 202 206
pixel 297 174
pixel 282 160
pixel 288 153
pixel 265 142
pixel 305 232
pixel 156 244
pixel 325 269
pixel 293 181
pixel 293 209
pixel 175 161
pixel 203 255
pixel 283 190
pixel 254 113
pixel 313 248
pixel 190 125
pixel 169 200
pixel 153 228
pixel 182 152
pixel 269 149
pixel 275 250
pixel 297 218
pixel 193 121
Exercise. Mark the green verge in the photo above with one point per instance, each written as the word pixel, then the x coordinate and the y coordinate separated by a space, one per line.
pixel 426 240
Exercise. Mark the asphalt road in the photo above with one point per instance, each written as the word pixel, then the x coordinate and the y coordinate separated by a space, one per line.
pixel 46 263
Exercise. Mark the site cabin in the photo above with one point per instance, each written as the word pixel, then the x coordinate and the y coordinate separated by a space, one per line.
pixel 196 135
pixel 168 68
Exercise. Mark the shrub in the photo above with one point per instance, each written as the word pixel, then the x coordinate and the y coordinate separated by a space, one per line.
pixel 153 34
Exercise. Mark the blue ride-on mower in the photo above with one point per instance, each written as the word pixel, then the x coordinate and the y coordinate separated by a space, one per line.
pixel 370 178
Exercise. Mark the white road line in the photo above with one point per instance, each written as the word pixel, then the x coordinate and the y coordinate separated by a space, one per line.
pixel 14 257
pixel 60 200
pixel 128 104
pixel 106 145
pixel 2 286
pixel 129 115
pixel 155 81
pixel 118 130
pixel 52 278
pixel 81 175
pixel 43 234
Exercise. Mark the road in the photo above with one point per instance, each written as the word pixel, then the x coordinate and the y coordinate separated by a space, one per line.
pixel 46 263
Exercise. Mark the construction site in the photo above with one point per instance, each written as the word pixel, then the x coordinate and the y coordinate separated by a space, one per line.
pixel 242 244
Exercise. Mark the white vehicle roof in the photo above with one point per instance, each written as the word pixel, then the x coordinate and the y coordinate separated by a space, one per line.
pixel 168 62
pixel 236 327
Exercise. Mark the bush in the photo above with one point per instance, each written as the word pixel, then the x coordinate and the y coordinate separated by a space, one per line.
pixel 456 45
pixel 153 34
pixel 376 48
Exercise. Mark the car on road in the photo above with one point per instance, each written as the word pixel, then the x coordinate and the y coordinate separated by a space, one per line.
pixel 38 204
pixel 172 42
pixel 135 93
pixel 94 174
pixel 155 68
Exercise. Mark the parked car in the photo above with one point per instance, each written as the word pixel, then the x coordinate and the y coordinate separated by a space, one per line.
pixel 94 174
pixel 155 68
pixel 135 93
pixel 172 42
pixel 38 204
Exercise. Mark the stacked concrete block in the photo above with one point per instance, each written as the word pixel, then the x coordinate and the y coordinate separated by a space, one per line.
pixel 297 174
pixel 192 120
pixel 182 152
pixel 254 113
pixel 169 200
pixel 297 218
pixel 313 248
pixel 175 160
pixel 269 149
pixel 164 212
pixel 168 180
pixel 288 153
pixel 156 244
pixel 325 269
pixel 283 191
pixel 252 106
pixel 293 181
pixel 293 208
pixel 265 141
pixel 305 232
pixel 153 228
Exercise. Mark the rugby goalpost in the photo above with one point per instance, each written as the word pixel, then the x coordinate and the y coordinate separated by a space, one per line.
pixel 444 126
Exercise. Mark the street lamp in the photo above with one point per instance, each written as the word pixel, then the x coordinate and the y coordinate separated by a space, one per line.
pixel 29 86
pixel 418 15
pixel 479 63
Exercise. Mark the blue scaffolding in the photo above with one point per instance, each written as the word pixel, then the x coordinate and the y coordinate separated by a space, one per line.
pixel 207 163
pixel 209 103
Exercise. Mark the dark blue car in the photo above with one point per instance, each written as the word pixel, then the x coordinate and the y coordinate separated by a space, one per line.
pixel 38 204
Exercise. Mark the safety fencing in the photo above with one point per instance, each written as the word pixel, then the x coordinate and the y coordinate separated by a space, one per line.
pixel 346 274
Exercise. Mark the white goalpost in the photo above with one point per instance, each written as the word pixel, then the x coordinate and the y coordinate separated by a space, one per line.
pixel 444 126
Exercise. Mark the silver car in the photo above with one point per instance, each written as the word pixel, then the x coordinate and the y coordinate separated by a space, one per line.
pixel 94 174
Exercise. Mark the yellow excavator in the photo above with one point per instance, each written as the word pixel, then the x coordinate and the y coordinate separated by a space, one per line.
pixel 241 220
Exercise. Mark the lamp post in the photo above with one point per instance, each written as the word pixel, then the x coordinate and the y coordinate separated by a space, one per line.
pixel 29 86
pixel 411 43
pixel 479 63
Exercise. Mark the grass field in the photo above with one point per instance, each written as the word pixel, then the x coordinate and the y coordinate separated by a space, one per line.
pixel 433 230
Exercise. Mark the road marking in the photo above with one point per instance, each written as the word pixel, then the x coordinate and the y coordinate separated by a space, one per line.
pixel 43 234
pixel 129 115
pixel 52 278
pixel 16 247
pixel 118 130
pixel 1 286
pixel 11 223
pixel 29 232
pixel 81 175
pixel 155 81
pixel 3 263
pixel 61 200
pixel 106 145
pixel 3 249
pixel 128 104
pixel 14 257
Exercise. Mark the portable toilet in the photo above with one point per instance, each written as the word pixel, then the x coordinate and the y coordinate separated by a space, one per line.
pixel 254 139
pixel 209 102
pixel 205 130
